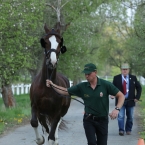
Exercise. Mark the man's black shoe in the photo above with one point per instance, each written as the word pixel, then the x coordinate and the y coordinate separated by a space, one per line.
pixel 121 133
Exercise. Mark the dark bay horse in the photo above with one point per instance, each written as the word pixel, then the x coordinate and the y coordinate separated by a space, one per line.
pixel 47 106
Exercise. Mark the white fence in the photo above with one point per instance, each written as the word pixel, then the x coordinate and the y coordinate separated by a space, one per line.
pixel 24 88
pixel 142 80
pixel 20 89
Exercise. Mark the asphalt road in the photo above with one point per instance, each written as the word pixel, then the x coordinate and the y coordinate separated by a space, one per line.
pixel 74 135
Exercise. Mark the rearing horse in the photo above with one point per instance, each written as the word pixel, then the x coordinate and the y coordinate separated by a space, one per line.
pixel 47 106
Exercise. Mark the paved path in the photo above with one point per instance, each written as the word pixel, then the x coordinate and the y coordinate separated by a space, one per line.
pixel 115 139
pixel 75 134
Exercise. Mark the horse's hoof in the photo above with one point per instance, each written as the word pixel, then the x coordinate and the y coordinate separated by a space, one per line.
pixel 40 141
pixel 51 142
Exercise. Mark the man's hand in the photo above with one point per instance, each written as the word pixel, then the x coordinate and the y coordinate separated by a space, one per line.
pixel 58 89
pixel 112 97
pixel 49 83
pixel 114 114
pixel 135 100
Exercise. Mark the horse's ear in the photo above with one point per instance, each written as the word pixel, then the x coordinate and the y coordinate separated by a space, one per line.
pixel 63 49
pixel 58 27
pixel 46 28
pixel 42 41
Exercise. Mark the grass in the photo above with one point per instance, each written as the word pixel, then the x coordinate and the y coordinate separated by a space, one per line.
pixel 142 112
pixel 14 116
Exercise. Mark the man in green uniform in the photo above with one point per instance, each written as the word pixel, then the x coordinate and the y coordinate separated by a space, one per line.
pixel 95 94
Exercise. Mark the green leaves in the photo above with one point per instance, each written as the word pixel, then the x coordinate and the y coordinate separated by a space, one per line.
pixel 19 31
pixel 98 32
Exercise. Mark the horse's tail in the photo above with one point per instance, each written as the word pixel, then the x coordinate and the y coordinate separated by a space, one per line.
pixel 63 125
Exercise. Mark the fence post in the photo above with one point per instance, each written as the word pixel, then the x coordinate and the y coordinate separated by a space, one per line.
pixel 22 88
pixel 13 89
pixel 27 88
pixel 17 90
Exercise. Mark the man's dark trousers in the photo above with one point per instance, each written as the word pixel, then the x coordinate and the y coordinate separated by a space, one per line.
pixel 96 131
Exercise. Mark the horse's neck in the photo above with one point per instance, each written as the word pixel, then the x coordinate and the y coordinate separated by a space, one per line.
pixel 47 73
pixel 52 75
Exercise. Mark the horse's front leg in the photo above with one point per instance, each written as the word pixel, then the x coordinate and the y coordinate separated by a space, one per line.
pixel 53 136
pixel 34 123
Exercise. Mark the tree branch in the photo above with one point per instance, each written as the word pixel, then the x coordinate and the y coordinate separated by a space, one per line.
pixel 51 6
pixel 64 4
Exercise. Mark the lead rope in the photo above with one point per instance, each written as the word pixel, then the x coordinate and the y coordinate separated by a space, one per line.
pixel 80 97
pixel 73 98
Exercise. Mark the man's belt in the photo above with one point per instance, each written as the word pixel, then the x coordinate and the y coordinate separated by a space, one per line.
pixel 95 118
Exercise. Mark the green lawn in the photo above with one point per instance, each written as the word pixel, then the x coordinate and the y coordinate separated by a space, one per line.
pixel 13 116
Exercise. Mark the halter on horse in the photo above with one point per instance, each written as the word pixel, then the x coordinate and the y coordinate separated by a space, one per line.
pixel 47 106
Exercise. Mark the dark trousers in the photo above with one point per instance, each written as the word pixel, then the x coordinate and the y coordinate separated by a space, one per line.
pixel 96 130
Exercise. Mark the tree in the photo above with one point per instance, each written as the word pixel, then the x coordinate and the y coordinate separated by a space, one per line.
pixel 138 40
pixel 96 32
pixel 17 19
pixel 82 36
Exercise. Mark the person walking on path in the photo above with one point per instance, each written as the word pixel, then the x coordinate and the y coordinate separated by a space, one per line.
pixel 95 94
pixel 131 88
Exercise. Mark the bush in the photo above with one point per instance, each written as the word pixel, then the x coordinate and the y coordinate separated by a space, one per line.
pixel 142 112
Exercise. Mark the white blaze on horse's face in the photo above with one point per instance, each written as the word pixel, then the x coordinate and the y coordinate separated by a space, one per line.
pixel 54 45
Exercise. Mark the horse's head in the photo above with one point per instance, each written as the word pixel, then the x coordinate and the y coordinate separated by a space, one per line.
pixel 52 42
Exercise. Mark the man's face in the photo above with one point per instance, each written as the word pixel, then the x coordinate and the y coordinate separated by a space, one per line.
pixel 125 72
pixel 90 77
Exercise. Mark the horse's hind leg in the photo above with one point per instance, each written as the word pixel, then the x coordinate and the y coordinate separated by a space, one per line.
pixel 34 124
pixel 53 136
pixel 56 131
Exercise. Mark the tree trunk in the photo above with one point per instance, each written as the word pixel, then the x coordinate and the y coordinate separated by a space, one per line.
pixel 75 82
pixel 8 97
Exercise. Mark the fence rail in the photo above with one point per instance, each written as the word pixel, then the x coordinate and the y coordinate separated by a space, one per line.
pixel 24 88
pixel 20 89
